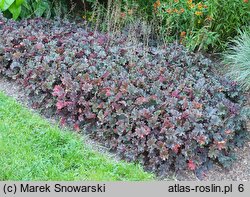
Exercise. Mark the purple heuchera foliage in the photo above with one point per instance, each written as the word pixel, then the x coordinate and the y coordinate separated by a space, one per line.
pixel 162 107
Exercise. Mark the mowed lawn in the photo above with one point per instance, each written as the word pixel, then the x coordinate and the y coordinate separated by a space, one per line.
pixel 33 149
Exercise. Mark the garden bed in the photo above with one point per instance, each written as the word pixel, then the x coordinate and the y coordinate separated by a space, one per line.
pixel 240 171
pixel 162 107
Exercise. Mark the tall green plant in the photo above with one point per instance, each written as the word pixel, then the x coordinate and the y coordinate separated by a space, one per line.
pixel 202 24
pixel 13 6
pixel 36 8
pixel 238 60
pixel 228 16
pixel 33 8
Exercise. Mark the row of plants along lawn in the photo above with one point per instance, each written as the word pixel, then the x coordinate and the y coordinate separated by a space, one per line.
pixel 31 149
pixel 206 25
pixel 162 107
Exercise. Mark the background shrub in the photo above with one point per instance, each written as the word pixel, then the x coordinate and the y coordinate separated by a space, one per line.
pixel 202 24
pixel 237 59
pixel 206 25
pixel 37 8
pixel 162 106
pixel 13 6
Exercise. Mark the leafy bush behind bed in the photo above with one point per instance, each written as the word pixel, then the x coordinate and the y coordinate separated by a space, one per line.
pixel 162 107
pixel 203 24
pixel 34 8
pixel 200 25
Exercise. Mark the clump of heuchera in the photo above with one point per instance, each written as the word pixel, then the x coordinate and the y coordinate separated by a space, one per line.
pixel 162 107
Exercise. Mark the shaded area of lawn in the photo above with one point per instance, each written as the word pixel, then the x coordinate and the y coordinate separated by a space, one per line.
pixel 32 149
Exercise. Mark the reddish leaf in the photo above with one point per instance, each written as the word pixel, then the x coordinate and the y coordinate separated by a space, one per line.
pixel 63 121
pixel 116 106
pixel 145 113
pixel 141 100
pixel 80 118
pixel 87 87
pixel 32 38
pixel 106 113
pixel 123 103
pixel 184 116
pixel 67 103
pixel 101 40
pixel 197 105
pixel 92 56
pixel 167 123
pixel 97 81
pixel 124 88
pixel 123 51
pixel 108 93
pixel 141 71
pixel 164 153
pixel 58 91
pixel 153 97
pixel 105 75
pixel 76 127
pixel 118 96
pixel 176 148
pixel 162 79
pixel 191 165
pixel 18 46
pixel 101 105
pixel 45 40
pixel 143 131
pixel 201 140
pixel 79 54
pixel 175 94
pixel 60 50
pixel 185 104
pixel 160 144
pixel 60 105
pixel 221 145
pixel 39 46
pixel 228 131
pixel 90 115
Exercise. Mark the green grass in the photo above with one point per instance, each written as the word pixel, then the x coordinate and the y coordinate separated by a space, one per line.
pixel 32 149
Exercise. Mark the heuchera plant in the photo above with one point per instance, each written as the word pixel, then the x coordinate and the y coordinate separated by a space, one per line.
pixel 162 107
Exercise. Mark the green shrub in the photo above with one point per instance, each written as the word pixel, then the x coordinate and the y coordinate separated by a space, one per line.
pixel 238 60
pixel 228 17
pixel 33 8
pixel 202 24
pixel 205 25
pixel 13 6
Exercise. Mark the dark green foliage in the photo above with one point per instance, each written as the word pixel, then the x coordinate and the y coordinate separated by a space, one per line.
pixel 162 107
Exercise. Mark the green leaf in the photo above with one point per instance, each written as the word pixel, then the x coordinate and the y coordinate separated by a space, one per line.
pixel 27 5
pixel 1 4
pixel 40 8
pixel 15 11
pixel 19 2
pixel 5 4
